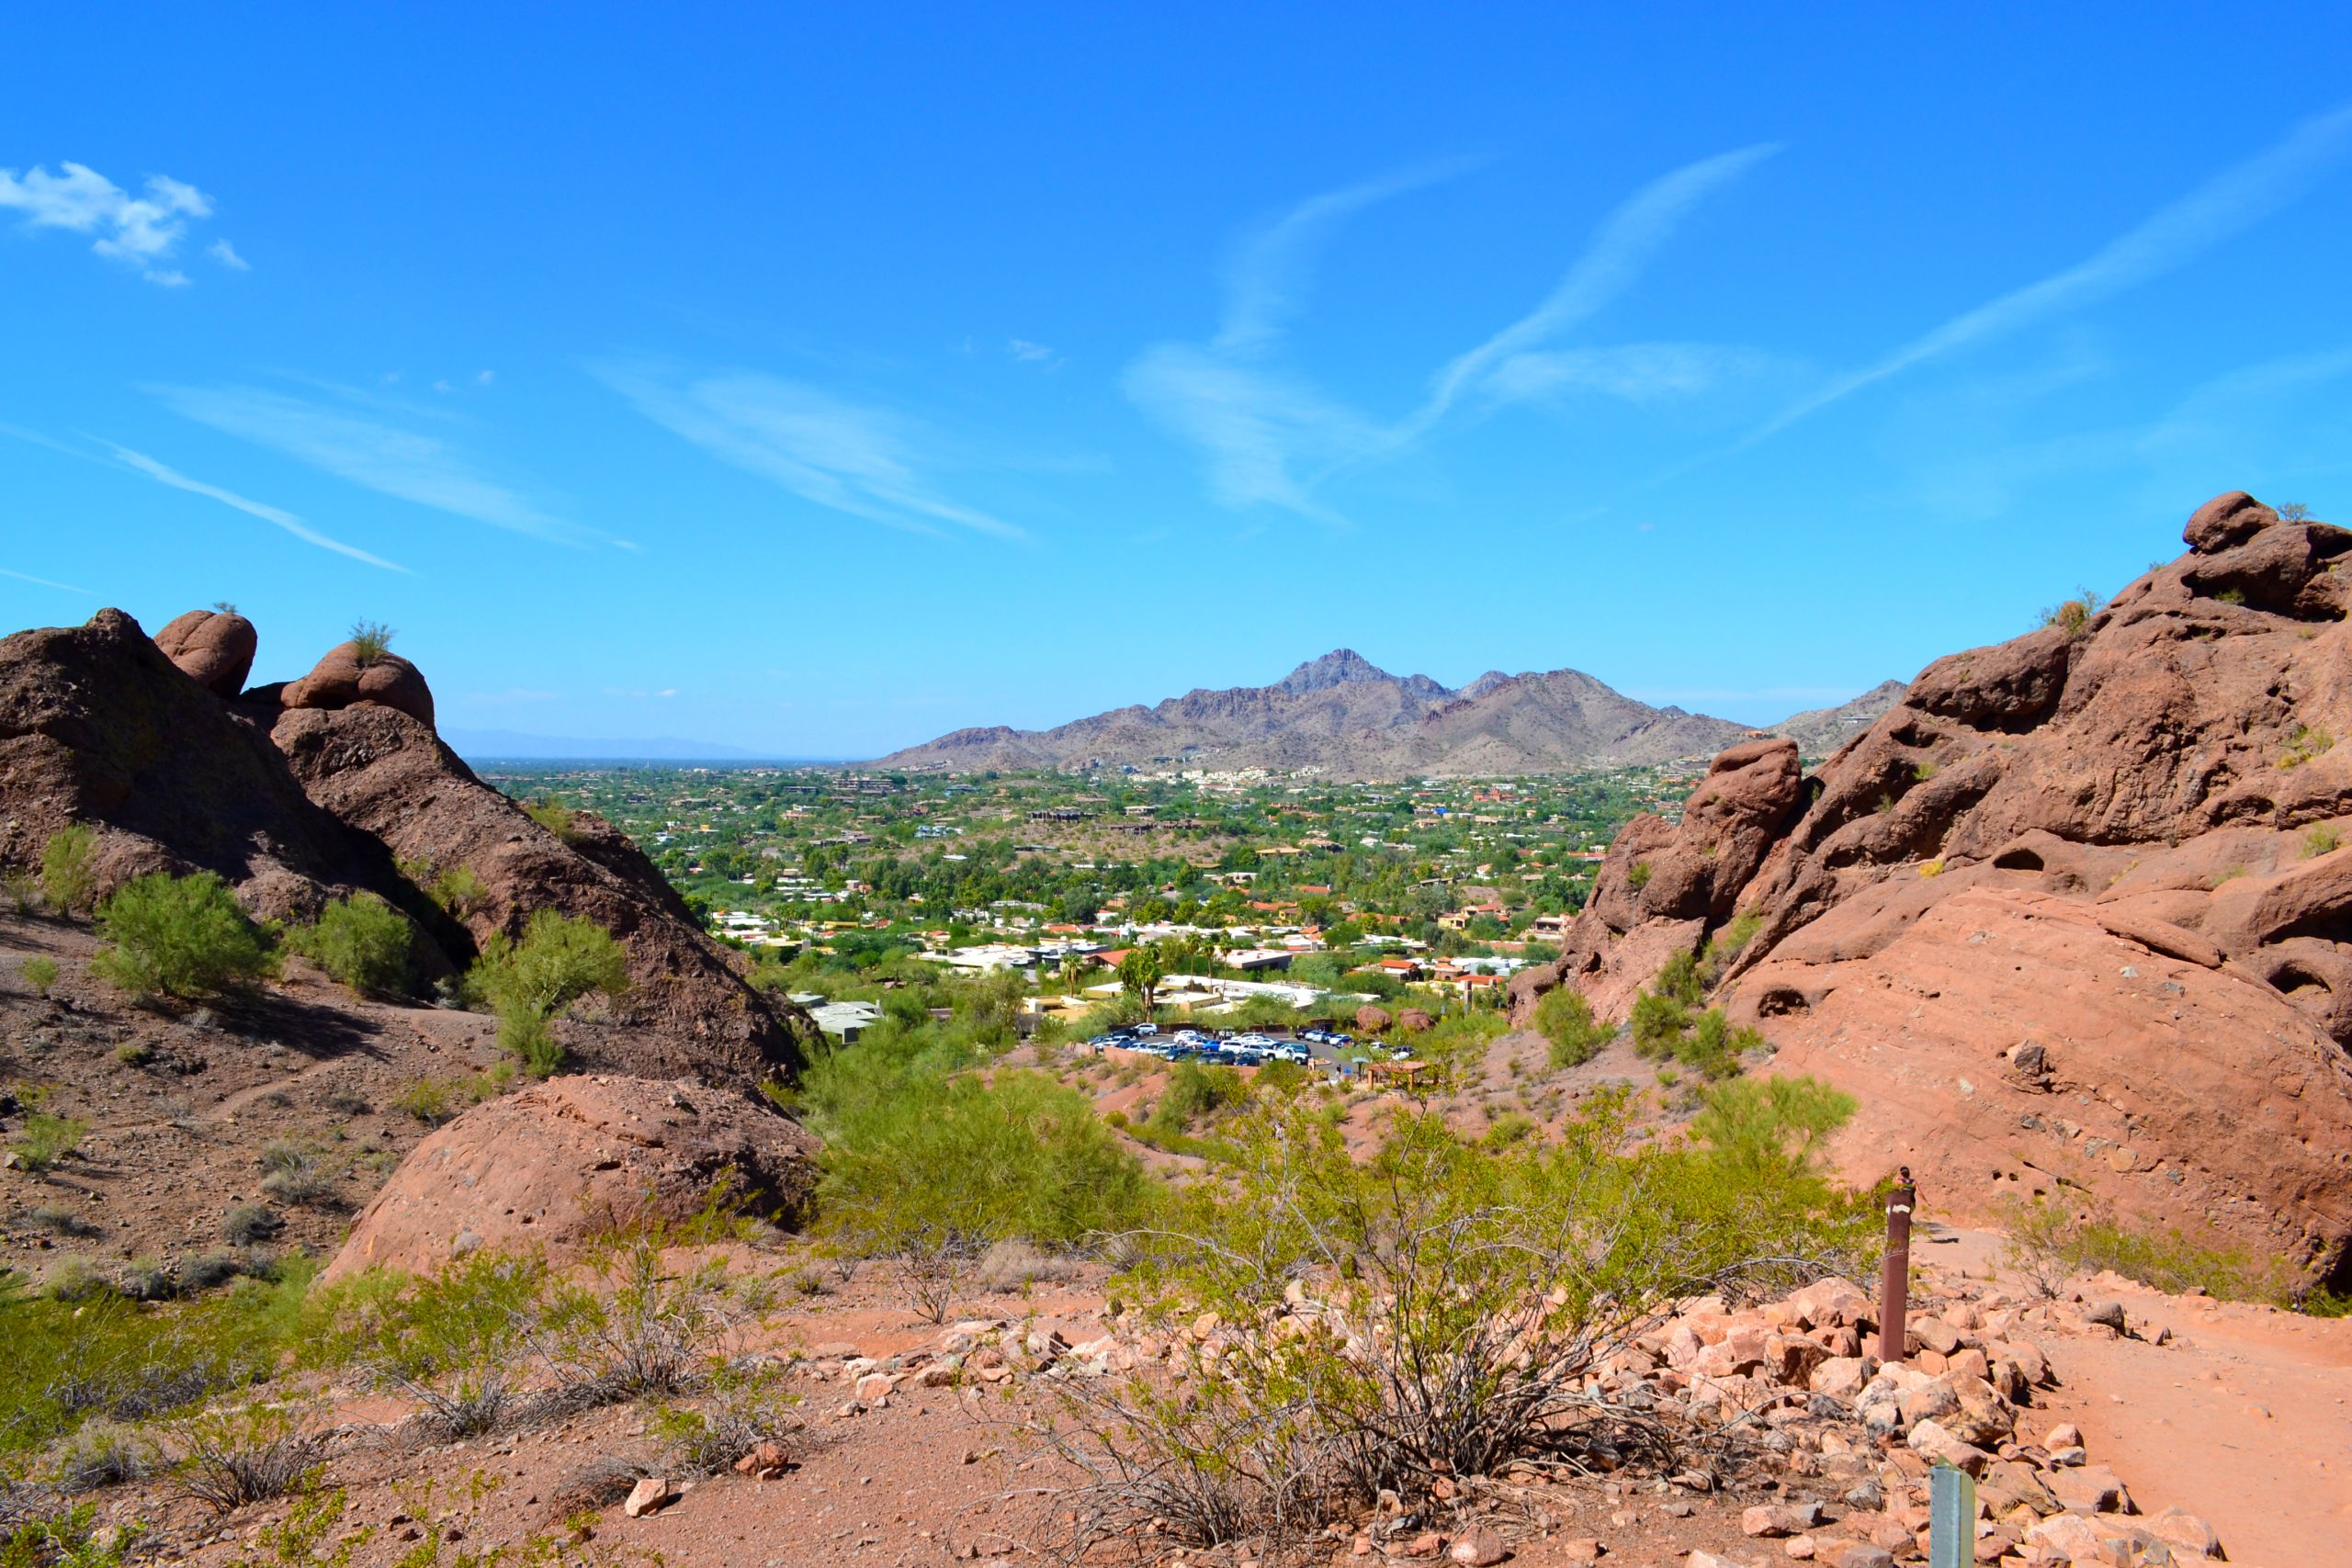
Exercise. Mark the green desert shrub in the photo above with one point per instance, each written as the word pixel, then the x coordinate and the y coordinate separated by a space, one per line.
pixel 2049 1241
pixel 46 1139
pixel 106 1357
pixel 1564 1020
pixel 454 1343
pixel 184 937
pixel 929 1172
pixel 1460 1292
pixel 69 869
pixel 1194 1093
pixel 361 941
pixel 554 816
pixel 526 984
pixel 40 973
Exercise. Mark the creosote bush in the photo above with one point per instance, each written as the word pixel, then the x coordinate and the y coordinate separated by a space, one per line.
pixel 69 878
pixel 2049 1242
pixel 46 1139
pixel 526 984
pixel 361 941
pixel 1667 1022
pixel 1425 1315
pixel 1564 1020
pixel 40 973
pixel 184 937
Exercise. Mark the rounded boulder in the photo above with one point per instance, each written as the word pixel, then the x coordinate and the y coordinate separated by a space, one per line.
pixel 342 679
pixel 214 649
pixel 561 1163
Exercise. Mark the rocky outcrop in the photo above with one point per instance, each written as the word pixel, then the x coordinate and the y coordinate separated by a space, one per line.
pixel 212 647
pixel 2107 846
pixel 348 678
pixel 386 775
pixel 564 1162
pixel 294 804
pixel 98 726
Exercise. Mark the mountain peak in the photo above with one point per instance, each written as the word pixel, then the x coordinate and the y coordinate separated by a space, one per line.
pixel 1336 668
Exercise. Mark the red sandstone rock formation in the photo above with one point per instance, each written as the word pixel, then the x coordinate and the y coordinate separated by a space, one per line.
pixel 2071 912
pixel 562 1162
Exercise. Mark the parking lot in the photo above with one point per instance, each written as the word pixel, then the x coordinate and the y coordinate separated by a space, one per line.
pixel 1332 1051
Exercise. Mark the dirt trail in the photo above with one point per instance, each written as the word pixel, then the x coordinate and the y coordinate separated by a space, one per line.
pixel 2244 1417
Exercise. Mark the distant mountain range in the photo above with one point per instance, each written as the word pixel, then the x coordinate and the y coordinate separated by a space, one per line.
pixel 1347 716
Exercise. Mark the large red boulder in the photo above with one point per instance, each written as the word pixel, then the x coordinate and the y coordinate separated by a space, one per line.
pixel 342 679
pixel 561 1163
pixel 212 647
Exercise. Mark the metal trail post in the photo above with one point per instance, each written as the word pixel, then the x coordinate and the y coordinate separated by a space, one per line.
pixel 1894 1274
pixel 1951 1518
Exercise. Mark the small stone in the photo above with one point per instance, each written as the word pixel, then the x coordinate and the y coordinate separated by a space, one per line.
pixel 2107 1313
pixel 1798 1548
pixel 1482 1548
pixel 1582 1549
pixel 2065 1435
pixel 1428 1544
pixel 1779 1518
pixel 648 1495
pixel 763 1463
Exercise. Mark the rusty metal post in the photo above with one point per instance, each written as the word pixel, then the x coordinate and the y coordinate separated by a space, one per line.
pixel 1894 1274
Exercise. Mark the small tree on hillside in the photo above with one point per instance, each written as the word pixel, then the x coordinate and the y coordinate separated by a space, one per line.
pixel 1140 973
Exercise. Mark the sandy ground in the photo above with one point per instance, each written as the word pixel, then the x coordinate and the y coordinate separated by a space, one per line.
pixel 2243 1416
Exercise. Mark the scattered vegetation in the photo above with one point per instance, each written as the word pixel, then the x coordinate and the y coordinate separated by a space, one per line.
pixel 2321 840
pixel 361 941
pixel 2073 616
pixel 183 937
pixel 1638 875
pixel 2305 742
pixel 230 1458
pixel 529 983
pixel 69 874
pixel 2051 1240
pixel 40 973
pixel 1667 1022
pixel 1389 1326
pixel 1564 1020
pixel 45 1140
pixel 554 816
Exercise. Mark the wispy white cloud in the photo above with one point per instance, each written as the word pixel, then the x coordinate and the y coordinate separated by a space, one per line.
pixel 2175 234
pixel 226 254
pixel 1635 372
pixel 848 458
pixel 140 231
pixel 45 583
pixel 276 516
pixel 1624 245
pixel 1024 352
pixel 1270 436
pixel 370 452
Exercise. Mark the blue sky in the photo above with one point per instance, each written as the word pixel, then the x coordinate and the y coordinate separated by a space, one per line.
pixel 819 382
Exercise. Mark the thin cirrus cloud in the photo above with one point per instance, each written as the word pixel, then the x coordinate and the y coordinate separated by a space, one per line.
pixel 369 452
pixel 162 474
pixel 1270 436
pixel 861 461
pixel 2173 235
pixel 140 231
